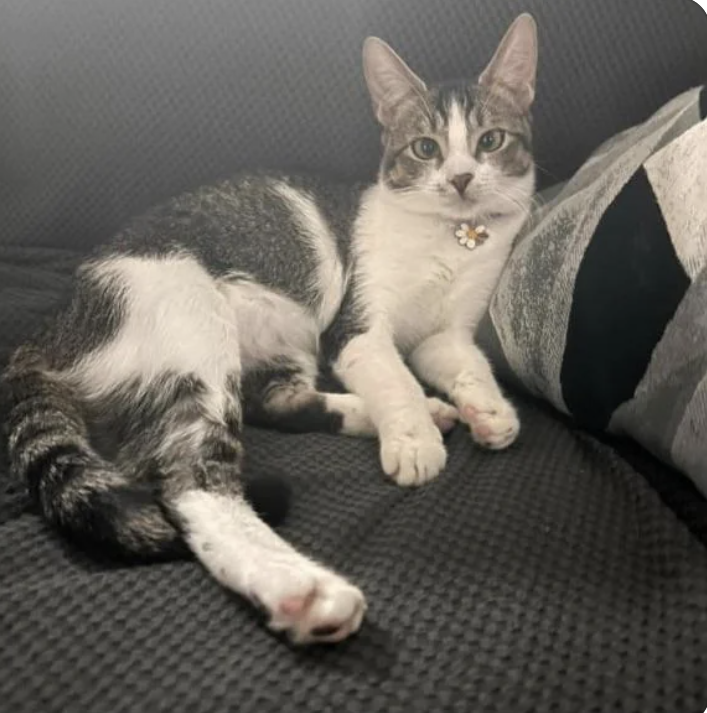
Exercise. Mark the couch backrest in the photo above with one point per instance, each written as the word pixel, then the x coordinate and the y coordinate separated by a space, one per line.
pixel 110 105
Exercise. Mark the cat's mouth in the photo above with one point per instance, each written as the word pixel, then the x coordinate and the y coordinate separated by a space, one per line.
pixel 452 198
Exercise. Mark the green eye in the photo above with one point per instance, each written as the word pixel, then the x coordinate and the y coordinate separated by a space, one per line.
pixel 425 148
pixel 492 140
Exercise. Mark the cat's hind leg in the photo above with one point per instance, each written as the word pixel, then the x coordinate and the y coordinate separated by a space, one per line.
pixel 279 344
pixel 282 394
pixel 200 460
pixel 196 450
pixel 300 597
pixel 279 349
pixel 176 363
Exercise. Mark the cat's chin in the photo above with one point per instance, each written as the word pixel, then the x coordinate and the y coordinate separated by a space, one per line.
pixel 435 204
pixel 478 207
pixel 455 202
pixel 456 208
pixel 451 207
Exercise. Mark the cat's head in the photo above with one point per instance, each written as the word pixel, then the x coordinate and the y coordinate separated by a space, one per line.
pixel 464 148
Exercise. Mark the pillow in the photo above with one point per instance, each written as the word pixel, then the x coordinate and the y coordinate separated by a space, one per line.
pixel 602 308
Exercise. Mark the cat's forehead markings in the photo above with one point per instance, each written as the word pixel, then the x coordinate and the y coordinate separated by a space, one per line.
pixel 457 132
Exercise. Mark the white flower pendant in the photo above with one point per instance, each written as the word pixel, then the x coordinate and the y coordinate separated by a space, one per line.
pixel 469 237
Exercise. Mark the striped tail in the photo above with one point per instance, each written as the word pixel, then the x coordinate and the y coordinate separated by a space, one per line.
pixel 75 489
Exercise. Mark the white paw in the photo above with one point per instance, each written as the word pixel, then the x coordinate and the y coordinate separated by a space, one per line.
pixel 443 414
pixel 494 423
pixel 309 603
pixel 413 457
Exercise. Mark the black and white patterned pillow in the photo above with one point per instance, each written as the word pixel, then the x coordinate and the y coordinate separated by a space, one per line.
pixel 602 308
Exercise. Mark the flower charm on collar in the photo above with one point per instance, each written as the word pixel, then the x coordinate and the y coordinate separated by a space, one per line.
pixel 471 237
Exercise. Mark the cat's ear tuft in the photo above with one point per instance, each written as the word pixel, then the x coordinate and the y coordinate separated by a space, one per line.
pixel 390 81
pixel 514 65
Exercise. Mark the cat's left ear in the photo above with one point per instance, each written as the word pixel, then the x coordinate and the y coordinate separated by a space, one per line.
pixel 515 63
pixel 390 81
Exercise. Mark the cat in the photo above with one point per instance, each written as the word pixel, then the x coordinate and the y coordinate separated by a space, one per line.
pixel 218 307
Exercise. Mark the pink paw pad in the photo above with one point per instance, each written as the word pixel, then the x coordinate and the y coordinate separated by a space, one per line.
pixel 293 605
pixel 473 418
pixel 468 413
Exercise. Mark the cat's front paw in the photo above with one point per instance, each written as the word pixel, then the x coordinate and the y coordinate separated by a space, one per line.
pixel 413 457
pixel 493 423
pixel 444 415
pixel 311 604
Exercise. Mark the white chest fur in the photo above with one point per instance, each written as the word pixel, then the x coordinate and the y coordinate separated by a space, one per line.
pixel 414 278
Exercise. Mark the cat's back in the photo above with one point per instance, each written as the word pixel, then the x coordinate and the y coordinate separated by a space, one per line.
pixel 263 210
pixel 273 226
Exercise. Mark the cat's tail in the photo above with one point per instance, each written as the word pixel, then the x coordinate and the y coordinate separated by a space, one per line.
pixel 77 490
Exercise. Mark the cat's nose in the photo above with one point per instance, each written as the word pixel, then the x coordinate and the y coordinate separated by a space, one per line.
pixel 461 181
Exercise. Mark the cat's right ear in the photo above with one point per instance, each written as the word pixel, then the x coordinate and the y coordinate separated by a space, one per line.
pixel 390 81
pixel 515 63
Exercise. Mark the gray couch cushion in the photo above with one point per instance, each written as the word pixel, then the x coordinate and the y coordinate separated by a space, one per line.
pixel 548 578
pixel 111 105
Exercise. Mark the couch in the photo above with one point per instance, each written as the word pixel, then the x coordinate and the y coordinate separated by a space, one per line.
pixel 566 574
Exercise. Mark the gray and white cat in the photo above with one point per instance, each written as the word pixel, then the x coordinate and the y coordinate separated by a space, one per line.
pixel 220 305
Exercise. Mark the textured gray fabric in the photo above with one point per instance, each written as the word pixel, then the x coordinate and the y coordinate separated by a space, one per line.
pixel 548 578
pixel 669 411
pixel 545 579
pixel 112 105
pixel 531 311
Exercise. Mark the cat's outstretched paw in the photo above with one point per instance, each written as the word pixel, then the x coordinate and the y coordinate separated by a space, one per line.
pixel 443 414
pixel 413 457
pixel 311 605
pixel 494 424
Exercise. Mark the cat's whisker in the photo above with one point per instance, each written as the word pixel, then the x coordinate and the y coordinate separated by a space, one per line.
pixel 408 190
pixel 524 200
pixel 548 173
pixel 520 200
pixel 514 190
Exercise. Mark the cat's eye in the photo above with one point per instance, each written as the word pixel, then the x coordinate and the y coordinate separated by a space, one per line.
pixel 425 148
pixel 492 140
